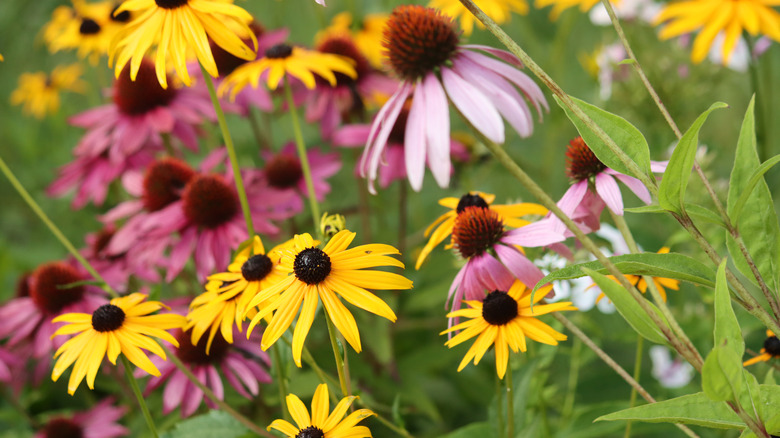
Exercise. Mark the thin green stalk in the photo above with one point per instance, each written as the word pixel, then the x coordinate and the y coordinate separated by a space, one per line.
pixel 510 404
pixel 281 380
pixel 139 396
pixel 301 146
pixel 54 228
pixel 249 424
pixel 499 399
pixel 637 373
pixel 231 150
pixel 574 372
pixel 389 424
pixel 257 131
pixel 339 361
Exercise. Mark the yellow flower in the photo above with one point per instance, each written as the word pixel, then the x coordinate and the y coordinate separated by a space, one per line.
pixel 499 10
pixel 509 214
pixel 123 326
pixel 281 60
pixel 176 26
pixel 771 349
pixel 641 284
pixel 327 274
pixel 504 319
pixel 228 293
pixel 368 36
pixel 320 424
pixel 39 93
pixel 87 27
pixel 713 16
pixel 561 5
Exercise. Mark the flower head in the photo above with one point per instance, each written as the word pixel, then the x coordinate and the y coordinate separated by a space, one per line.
pixel 284 173
pixel 321 424
pixel 282 60
pixel 498 10
pixel 504 319
pixel 39 93
pixel 176 26
pixel 327 274
pixel 424 52
pixel 770 350
pixel 713 16
pixel 122 326
pixel 87 27
pixel 99 421
pixel 367 34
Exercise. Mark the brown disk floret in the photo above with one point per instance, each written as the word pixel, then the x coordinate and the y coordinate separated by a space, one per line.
pixel 209 201
pixel 476 230
pixel 164 181
pixel 142 95
pixel 48 286
pixel 581 162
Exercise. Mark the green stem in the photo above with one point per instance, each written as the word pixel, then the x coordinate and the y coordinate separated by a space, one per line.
pixel 231 150
pixel 389 424
pixel 54 228
pixel 301 146
pixel 139 396
pixel 510 404
pixel 574 371
pixel 262 140
pixel 249 424
pixel 339 361
pixel 281 380
pixel 637 372
pixel 499 400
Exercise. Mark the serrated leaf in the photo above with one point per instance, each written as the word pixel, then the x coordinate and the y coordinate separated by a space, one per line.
pixel 670 265
pixel 214 424
pixel 696 409
pixel 727 332
pixel 671 193
pixel 721 375
pixel 759 229
pixel 623 133
pixel 628 307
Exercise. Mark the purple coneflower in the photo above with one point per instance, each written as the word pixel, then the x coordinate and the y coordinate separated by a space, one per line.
pixel 98 422
pixel 423 51
pixel 283 172
pixel 115 269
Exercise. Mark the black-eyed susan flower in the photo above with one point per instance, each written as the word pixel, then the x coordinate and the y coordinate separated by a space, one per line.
pixel 498 10
pixel 86 27
pixel 327 274
pixel 441 228
pixel 282 60
pixel 771 349
pixel 367 34
pixel 175 27
pixel 504 319
pixel 227 295
pixel 321 424
pixel 39 93
pixel 711 17
pixel 122 326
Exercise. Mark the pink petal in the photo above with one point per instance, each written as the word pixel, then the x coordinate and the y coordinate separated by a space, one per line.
pixel 608 190
pixel 437 130
pixel 351 135
pixel 539 233
pixel 519 265
pixel 474 106
pixel 635 186
pixel 415 140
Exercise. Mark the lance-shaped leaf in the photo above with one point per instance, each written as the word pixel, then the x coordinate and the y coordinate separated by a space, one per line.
pixel 695 409
pixel 727 332
pixel 675 180
pixel 623 133
pixel 721 375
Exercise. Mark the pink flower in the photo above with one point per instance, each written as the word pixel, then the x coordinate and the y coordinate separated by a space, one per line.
pixel 424 52
pixel 242 363
pixel 8 362
pixel 283 173
pixel 98 422
pixel 115 269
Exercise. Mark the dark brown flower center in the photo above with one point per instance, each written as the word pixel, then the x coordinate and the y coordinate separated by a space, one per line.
pixel 312 265
pixel 256 267
pixel 310 432
pixel 142 95
pixel 498 308
pixel 418 40
pixel 469 200
pixel 164 182
pixel 772 346
pixel 196 354
pixel 344 46
pixel 89 27
pixel 279 51
pixel 48 289
pixel 581 162
pixel 23 286
pixel 122 17
pixel 209 201
pixel 171 4
pixel 227 62
pixel 62 428
pixel 283 171
pixel 107 318
pixel 476 230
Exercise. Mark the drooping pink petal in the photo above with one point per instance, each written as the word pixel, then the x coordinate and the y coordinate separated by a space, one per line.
pixel 437 130
pixel 519 265
pixel 415 142
pixel 351 135
pixel 537 234
pixel 635 186
pixel 474 106
pixel 608 190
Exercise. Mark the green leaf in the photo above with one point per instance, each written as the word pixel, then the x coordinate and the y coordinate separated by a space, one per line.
pixel 721 376
pixel 755 177
pixel 770 401
pixel 671 265
pixel 625 135
pixel 215 423
pixel 727 332
pixel 628 307
pixel 695 409
pixel 759 229
pixel 652 208
pixel 474 430
pixel 696 211
pixel 750 397
pixel 671 193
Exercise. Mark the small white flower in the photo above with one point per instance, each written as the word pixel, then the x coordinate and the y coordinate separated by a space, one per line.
pixel 671 373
